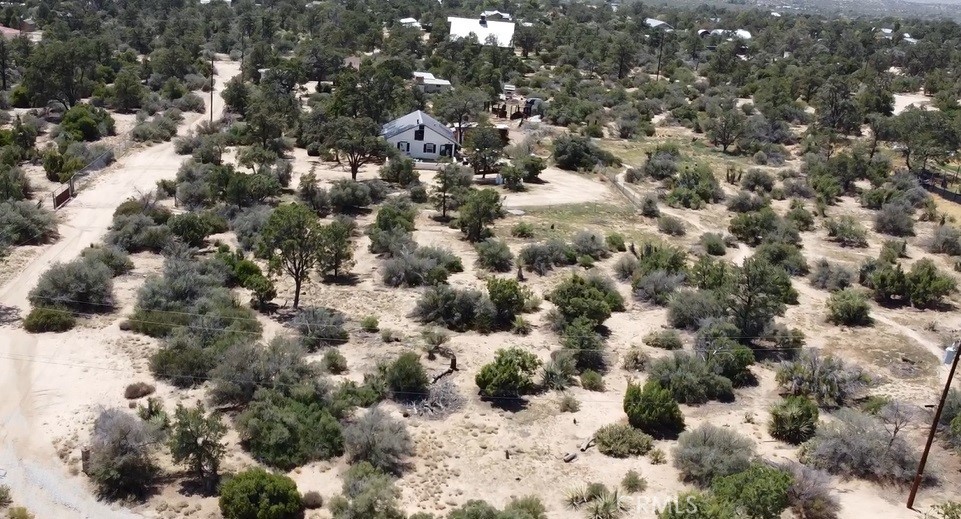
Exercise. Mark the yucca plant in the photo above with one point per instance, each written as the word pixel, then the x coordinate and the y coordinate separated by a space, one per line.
pixel 793 420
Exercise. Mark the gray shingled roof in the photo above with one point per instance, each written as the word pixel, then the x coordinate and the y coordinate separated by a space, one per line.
pixel 413 120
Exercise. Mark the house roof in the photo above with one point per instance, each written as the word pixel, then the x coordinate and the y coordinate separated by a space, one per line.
pixel 410 22
pixel 503 32
pixel 427 78
pixel 8 32
pixel 488 14
pixel 655 23
pixel 413 120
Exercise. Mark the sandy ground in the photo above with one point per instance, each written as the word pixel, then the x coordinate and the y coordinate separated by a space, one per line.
pixel 50 383
pixel 918 100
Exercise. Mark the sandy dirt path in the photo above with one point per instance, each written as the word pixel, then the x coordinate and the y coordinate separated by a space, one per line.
pixel 46 383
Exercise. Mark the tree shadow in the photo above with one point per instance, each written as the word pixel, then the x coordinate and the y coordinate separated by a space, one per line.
pixel 191 487
pixel 342 280
pixel 507 403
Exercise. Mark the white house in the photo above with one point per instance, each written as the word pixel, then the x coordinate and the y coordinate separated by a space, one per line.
pixel 429 84
pixel 491 15
pixel 420 136
pixel 410 22
pixel 654 23
pixel 501 32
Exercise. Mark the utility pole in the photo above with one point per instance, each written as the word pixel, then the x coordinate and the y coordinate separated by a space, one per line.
pixel 934 426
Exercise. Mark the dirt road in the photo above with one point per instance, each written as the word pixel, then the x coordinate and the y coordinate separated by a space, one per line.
pixel 44 382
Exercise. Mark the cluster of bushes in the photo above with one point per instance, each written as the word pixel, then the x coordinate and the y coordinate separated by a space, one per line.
pixel 161 128
pixel 573 152
pixel 83 122
pixel 23 223
pixel 191 308
pixel 694 187
pixel 84 285
pixel 467 309
pixel 923 286
pixel 824 379
pixel 543 257
pixel 847 231
pixel 140 225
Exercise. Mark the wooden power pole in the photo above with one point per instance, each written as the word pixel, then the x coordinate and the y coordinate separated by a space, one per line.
pixel 934 425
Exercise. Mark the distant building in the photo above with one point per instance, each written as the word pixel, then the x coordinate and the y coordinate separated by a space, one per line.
pixel 501 32
pixel 8 33
pixel 726 33
pixel 496 15
pixel 654 23
pixel 420 136
pixel 410 22
pixel 429 84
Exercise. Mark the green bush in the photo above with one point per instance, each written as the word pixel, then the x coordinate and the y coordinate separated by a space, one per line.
pixel 757 180
pixel 760 492
pixel 591 244
pixel 622 441
pixel 509 375
pixel 455 309
pixel 672 226
pixel 830 277
pixel 615 242
pixel 286 433
pixel 115 259
pixel 258 494
pixel 633 482
pixel 691 379
pixel 349 195
pixel 23 223
pixel 849 307
pixel 592 380
pixel 49 319
pixel 81 285
pixel 83 122
pixel 687 308
pixel 895 219
pixel 649 207
pixel 334 362
pixel 370 324
pixel 946 240
pixel 522 230
pixel 793 420
pixel 120 455
pixel 572 152
pixel 825 379
pixel 494 255
pixel 137 233
pixel 927 285
pixel 665 340
pixel 406 377
pixel 543 257
pixel 710 452
pixel 744 202
pixel 653 410
pixel 892 251
pixel 593 298
pixel 713 244
pixel 847 231
pixel 656 287
pixel 635 359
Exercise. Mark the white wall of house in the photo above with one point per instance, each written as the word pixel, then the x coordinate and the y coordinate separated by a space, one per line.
pixel 430 146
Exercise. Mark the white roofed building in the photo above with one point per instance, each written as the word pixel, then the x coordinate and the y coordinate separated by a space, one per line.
pixel 429 84
pixel 420 136
pixel 483 29
pixel 410 22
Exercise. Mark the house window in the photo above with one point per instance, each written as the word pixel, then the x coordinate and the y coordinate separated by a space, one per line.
pixel 430 148
pixel 403 146
pixel 419 134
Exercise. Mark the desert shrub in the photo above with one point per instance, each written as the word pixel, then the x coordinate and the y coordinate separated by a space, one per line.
pixel 892 251
pixel 823 378
pixel 258 494
pixel 895 219
pixel 521 326
pixel 784 255
pixel 368 492
pixel 115 259
pixel 793 420
pixel 84 122
pixel 625 266
pixel 830 277
pixel 370 324
pixel 622 441
pixel 927 285
pixel 456 309
pixel 509 375
pixel 633 482
pixel 635 359
pixel 849 307
pixel 334 362
pixel 666 340
pixel 592 380
pixel 23 223
pixel 138 390
pixel 284 432
pixel 312 500
pixel 543 257
pixel 760 492
pixel 247 366
pixel 319 327
pixel 859 445
pixel 672 226
pixel 810 492
pixel 656 287
pixel 81 285
pixel 744 202
pixel 414 269
pixel 653 410
pixel 847 231
pixel 406 377
pixel 587 243
pixel 120 462
pixel 49 319
pixel 946 240
pixel 569 404
pixel 593 298
pixel 649 206
pixel 380 440
pixel 5 498
pixel 799 216
pixel 757 180
pixel 494 255
pixel 522 230
pixel 687 308
pixel 136 233
pixel 558 373
pixel 349 195
pixel 710 452
pixel 399 171
pixel 615 242
pixel 752 227
pixel 713 244
pixel 691 379
pixel 572 152
pixel 662 163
